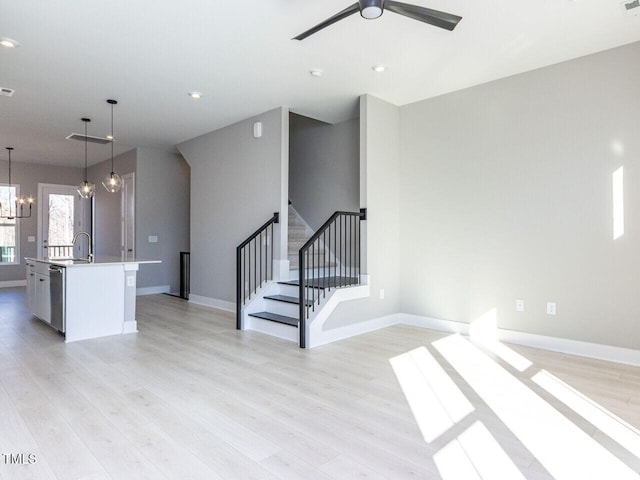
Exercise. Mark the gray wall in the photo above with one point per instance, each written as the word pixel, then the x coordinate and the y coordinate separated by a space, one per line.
pixel 163 210
pixel 379 184
pixel 506 193
pixel 324 167
pixel 236 184
pixel 107 221
pixel 28 175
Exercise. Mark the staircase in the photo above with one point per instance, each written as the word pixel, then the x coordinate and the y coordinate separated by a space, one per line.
pixel 331 261
pixel 282 300
pixel 298 234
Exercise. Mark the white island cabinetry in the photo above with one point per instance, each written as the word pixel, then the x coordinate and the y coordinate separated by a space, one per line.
pixel 99 297
pixel 38 297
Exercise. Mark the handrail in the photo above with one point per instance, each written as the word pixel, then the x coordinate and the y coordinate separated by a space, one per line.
pixel 274 219
pixel 248 262
pixel 335 246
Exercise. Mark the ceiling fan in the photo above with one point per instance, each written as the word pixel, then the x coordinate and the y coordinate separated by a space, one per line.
pixel 371 9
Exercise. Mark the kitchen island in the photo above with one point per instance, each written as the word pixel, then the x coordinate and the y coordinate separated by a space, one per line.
pixel 84 299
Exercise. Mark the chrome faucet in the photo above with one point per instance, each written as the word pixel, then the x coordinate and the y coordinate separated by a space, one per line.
pixel 75 237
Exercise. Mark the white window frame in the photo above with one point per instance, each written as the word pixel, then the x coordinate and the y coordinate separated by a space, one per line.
pixel 16 225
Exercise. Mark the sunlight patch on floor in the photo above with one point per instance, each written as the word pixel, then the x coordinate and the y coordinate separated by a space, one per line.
pixel 475 454
pixel 605 421
pixel 559 445
pixel 435 400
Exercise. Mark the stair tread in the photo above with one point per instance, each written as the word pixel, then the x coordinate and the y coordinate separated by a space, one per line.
pixel 325 282
pixel 274 317
pixel 286 299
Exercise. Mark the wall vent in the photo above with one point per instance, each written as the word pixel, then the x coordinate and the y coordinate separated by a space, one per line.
pixel 631 8
pixel 90 139
pixel 7 92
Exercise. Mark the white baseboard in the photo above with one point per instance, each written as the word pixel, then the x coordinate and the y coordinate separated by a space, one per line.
pixel 342 333
pixel 153 290
pixel 130 327
pixel 555 344
pixel 13 283
pixel 212 302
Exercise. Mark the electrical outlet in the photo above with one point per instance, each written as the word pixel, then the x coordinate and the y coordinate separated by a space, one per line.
pixel 519 305
pixel 551 308
pixel 153 239
pixel 382 294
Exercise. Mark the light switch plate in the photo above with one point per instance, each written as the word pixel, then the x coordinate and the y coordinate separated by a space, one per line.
pixel 131 281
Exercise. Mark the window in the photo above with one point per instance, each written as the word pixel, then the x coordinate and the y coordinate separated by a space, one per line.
pixel 8 228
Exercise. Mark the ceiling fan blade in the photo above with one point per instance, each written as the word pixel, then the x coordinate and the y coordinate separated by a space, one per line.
pixel 426 15
pixel 330 21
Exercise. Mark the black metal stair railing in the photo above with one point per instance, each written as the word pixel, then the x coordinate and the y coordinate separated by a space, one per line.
pixel 254 264
pixel 330 259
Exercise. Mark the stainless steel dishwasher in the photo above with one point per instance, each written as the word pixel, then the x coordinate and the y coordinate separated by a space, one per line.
pixel 57 290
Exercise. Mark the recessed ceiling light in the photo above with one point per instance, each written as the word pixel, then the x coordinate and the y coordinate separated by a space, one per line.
pixel 195 94
pixel 9 42
pixel 316 72
pixel 378 68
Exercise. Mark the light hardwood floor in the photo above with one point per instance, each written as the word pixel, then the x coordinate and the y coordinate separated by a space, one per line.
pixel 190 397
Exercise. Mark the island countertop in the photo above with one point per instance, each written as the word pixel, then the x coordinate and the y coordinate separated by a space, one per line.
pixel 86 299
pixel 83 262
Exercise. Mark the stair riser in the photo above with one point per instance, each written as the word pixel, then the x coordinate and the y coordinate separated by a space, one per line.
pixel 282 308
pixel 272 328
pixel 290 290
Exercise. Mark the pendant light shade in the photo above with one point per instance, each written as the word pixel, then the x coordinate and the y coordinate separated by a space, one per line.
pixel 112 181
pixel 86 189
pixel 16 206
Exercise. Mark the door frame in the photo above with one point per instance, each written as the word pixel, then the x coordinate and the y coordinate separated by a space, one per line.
pixel 123 215
pixel 41 209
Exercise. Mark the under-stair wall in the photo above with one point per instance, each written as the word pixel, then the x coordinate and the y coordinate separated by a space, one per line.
pixel 323 167
pixel 237 182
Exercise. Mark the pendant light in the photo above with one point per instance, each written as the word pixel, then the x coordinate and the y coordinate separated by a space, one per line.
pixel 86 189
pixel 19 202
pixel 112 181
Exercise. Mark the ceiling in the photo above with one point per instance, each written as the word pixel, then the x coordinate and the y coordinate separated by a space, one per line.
pixel 148 54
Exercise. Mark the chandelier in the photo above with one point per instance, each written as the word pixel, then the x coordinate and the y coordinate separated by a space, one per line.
pixel 17 206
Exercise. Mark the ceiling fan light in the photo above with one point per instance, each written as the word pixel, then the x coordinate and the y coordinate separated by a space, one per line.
pixel 371 13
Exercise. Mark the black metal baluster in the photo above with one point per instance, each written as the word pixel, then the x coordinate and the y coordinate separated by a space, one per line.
pixel 340 252
pixel 324 263
pixel 238 288
pixel 359 247
pixel 313 276
pixel 260 260
pixel 244 288
pixel 350 218
pixel 307 281
pixel 301 297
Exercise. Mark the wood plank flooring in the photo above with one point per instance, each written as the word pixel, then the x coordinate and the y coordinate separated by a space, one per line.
pixel 189 397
